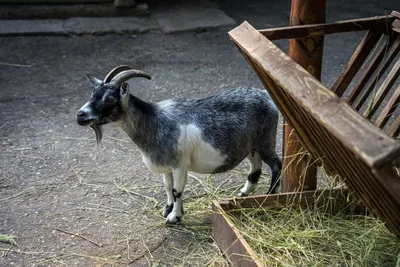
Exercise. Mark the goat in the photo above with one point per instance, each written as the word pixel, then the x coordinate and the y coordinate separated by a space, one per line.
pixel 208 135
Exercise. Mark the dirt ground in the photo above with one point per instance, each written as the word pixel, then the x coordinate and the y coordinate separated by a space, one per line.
pixel 70 202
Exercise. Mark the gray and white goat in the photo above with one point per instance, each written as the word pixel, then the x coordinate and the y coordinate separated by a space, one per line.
pixel 209 135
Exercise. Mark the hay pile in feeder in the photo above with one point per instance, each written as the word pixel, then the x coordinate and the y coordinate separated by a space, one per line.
pixel 295 236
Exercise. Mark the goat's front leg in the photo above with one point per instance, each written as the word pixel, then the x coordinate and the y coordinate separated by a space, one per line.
pixel 169 183
pixel 179 178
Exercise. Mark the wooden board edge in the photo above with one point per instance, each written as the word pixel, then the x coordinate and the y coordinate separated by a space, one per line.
pixel 301 31
pixel 282 199
pixel 230 241
pixel 248 39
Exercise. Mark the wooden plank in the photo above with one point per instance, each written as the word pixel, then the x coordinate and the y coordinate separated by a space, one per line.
pixel 328 126
pixel 389 54
pixel 394 129
pixel 356 61
pixel 389 109
pixel 292 32
pixel 396 25
pixel 336 116
pixel 229 239
pixel 384 89
pixel 303 199
pixel 372 70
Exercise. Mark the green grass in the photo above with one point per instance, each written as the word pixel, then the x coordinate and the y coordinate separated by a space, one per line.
pixel 8 239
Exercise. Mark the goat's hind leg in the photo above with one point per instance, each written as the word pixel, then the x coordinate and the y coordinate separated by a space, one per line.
pixel 275 163
pixel 254 175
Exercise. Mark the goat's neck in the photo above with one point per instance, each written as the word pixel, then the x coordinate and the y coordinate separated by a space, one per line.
pixel 139 122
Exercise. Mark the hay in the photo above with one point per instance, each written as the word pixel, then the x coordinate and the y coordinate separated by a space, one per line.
pixel 292 236
pixel 286 237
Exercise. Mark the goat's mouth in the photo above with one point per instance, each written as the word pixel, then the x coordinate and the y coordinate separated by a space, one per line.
pixel 94 125
pixel 83 122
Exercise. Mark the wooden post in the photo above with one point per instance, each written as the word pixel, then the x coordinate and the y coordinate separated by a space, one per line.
pixel 300 172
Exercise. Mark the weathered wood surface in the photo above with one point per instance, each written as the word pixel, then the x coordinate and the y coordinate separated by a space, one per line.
pixel 396 25
pixel 300 174
pixel 332 200
pixel 229 239
pixel 389 109
pixel 233 244
pixel 356 61
pixel 331 130
pixel 328 109
pixel 394 129
pixel 375 71
pixel 365 24
pixel 384 89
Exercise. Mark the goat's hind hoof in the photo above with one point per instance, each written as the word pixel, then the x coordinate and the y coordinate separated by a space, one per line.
pixel 242 194
pixel 168 210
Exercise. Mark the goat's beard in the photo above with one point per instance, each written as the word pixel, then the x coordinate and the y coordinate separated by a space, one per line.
pixel 99 132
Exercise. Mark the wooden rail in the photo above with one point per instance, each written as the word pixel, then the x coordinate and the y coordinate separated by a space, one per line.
pixel 328 127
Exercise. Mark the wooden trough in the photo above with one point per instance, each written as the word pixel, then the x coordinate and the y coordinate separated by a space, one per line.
pixel 331 129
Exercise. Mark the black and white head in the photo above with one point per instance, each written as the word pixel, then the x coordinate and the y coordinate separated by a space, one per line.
pixel 109 98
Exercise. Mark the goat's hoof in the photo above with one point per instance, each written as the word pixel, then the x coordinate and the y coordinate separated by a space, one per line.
pixel 168 210
pixel 173 219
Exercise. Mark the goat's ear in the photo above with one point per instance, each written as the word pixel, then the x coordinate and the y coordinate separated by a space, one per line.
pixel 124 90
pixel 94 82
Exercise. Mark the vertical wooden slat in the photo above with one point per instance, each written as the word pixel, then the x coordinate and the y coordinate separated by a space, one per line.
pixel 387 55
pixel 307 52
pixel 389 109
pixel 370 70
pixel 357 59
pixel 394 129
pixel 384 89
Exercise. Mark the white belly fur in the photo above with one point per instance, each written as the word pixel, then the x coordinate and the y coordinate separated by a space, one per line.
pixel 154 167
pixel 200 156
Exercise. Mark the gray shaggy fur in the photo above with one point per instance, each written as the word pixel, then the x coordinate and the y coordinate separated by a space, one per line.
pixel 229 126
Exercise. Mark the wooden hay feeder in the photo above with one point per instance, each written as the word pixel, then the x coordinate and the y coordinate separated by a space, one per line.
pixel 331 129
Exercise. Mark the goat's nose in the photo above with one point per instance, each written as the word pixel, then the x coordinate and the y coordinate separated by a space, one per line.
pixel 81 114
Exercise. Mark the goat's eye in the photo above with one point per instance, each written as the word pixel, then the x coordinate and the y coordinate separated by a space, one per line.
pixel 109 100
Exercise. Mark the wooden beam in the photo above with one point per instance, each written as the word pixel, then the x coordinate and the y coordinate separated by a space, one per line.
pixel 341 120
pixel 396 25
pixel 394 129
pixel 390 54
pixel 374 23
pixel 299 173
pixel 374 71
pixel 356 61
pixel 229 239
pixel 384 89
pixel 356 150
pixel 389 109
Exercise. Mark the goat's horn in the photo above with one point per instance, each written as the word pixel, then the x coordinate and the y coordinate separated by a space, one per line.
pixel 128 74
pixel 114 72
